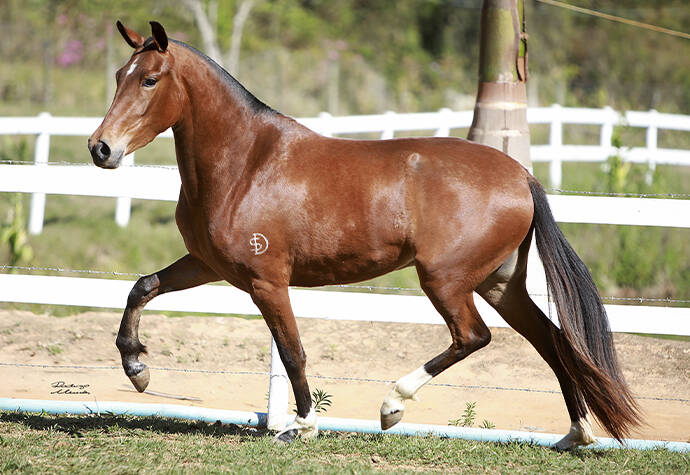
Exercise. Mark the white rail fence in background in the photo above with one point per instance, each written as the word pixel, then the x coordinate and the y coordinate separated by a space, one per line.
pixel 162 183
pixel 440 123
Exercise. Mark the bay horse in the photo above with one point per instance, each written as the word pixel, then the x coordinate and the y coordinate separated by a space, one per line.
pixel 266 203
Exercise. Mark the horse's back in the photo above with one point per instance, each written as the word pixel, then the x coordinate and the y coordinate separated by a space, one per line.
pixel 472 206
pixel 389 202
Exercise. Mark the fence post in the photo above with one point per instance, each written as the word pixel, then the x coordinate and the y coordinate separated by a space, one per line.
pixel 123 208
pixel 556 143
pixel 41 153
pixel 388 129
pixel 277 392
pixel 444 129
pixel 327 129
pixel 651 142
pixel 605 140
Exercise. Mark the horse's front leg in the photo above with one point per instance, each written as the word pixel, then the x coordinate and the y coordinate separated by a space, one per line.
pixel 274 303
pixel 185 273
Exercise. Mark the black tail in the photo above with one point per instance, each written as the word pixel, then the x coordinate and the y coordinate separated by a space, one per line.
pixel 584 343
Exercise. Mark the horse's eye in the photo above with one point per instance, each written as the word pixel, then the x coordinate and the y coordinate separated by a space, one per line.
pixel 149 82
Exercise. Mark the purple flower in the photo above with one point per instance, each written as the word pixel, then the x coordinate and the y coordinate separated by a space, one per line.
pixel 72 53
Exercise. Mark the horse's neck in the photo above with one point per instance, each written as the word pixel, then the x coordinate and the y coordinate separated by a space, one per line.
pixel 212 142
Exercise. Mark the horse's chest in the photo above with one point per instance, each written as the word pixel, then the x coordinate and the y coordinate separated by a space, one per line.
pixel 216 241
pixel 198 233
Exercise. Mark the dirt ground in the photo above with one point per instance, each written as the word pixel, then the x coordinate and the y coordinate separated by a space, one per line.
pixel 654 369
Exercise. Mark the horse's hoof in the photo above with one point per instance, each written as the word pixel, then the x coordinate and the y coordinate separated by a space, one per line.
pixel 580 434
pixel 568 443
pixel 389 420
pixel 288 436
pixel 141 379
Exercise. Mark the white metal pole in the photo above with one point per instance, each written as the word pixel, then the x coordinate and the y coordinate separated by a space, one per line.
pixel 123 209
pixel 41 153
pixel 277 392
pixel 556 142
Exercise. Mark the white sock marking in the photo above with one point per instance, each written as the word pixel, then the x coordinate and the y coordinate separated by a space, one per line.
pixel 405 388
pixel 580 434
pixel 306 427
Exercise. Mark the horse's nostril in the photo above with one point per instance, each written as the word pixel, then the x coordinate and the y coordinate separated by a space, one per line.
pixel 100 152
pixel 103 149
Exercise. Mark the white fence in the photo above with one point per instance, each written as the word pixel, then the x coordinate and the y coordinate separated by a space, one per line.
pixel 440 123
pixel 162 183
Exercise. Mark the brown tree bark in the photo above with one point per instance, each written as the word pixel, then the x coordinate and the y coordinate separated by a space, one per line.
pixel 500 113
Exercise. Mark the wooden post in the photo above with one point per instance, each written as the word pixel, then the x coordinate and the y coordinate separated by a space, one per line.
pixel 500 113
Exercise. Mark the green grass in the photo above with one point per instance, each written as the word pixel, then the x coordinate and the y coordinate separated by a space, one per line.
pixel 664 337
pixel 115 444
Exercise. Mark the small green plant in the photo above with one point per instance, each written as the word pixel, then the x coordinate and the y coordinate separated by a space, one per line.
pixel 617 170
pixel 55 349
pixel 487 425
pixel 320 400
pixel 14 235
pixel 468 416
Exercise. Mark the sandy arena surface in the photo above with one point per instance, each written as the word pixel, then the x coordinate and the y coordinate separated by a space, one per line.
pixel 654 368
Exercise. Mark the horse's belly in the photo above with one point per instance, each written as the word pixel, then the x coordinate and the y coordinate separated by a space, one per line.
pixel 347 268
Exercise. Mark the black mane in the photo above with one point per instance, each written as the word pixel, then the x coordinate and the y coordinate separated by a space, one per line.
pixel 231 82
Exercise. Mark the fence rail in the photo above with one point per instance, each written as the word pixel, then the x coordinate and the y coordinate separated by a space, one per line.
pixel 163 183
pixel 440 123
pixel 138 182
pixel 57 290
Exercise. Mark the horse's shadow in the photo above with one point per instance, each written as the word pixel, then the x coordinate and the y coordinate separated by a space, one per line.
pixel 77 426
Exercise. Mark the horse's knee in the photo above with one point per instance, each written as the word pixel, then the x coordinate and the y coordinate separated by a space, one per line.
pixel 143 290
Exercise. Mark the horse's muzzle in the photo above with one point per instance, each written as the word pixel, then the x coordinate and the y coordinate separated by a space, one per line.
pixel 103 156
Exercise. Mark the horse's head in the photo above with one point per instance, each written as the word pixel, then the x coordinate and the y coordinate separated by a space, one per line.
pixel 147 100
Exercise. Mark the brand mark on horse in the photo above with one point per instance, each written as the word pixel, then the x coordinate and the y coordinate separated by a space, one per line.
pixel 259 243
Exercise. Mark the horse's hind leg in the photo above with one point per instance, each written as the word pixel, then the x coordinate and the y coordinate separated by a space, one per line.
pixel 505 290
pixel 468 332
pixel 185 273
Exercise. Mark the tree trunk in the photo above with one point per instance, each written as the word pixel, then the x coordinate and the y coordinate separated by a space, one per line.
pixel 500 113
pixel 233 59
pixel 207 30
pixel 207 22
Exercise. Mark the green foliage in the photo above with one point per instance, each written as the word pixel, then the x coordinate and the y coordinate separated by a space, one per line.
pixel 487 425
pixel 468 416
pixel 641 255
pixel 13 234
pixel 424 52
pixel 321 401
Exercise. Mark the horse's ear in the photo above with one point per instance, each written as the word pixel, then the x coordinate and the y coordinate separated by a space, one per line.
pixel 159 36
pixel 133 39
